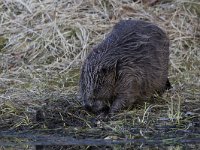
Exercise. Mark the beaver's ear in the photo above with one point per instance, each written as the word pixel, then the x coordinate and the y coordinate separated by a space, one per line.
pixel 112 68
pixel 104 70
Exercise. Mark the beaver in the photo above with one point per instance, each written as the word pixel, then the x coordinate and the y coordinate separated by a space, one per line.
pixel 129 65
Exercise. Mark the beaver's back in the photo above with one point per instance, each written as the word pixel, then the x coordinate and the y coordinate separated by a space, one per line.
pixel 137 44
pixel 143 53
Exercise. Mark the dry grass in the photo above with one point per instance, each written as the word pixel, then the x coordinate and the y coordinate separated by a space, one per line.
pixel 46 43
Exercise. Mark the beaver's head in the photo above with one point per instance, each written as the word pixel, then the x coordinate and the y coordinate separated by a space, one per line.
pixel 97 83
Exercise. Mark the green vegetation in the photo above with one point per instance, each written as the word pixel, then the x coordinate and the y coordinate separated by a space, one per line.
pixel 2 43
pixel 46 45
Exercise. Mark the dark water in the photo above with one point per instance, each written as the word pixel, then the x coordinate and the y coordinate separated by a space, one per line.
pixel 27 140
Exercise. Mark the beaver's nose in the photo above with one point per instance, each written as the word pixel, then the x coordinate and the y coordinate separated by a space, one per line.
pixel 88 108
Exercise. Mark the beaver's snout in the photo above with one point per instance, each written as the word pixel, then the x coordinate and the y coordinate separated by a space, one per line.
pixel 97 107
pixel 88 108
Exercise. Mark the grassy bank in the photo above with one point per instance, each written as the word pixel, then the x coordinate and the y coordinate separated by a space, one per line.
pixel 44 44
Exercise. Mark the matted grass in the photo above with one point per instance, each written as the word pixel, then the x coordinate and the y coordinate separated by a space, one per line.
pixel 45 43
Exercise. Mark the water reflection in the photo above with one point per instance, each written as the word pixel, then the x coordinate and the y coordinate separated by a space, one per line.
pixel 27 141
pixel 72 147
pixel 101 147
pixel 113 147
pixel 119 147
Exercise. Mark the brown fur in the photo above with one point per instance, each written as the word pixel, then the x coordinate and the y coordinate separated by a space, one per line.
pixel 131 64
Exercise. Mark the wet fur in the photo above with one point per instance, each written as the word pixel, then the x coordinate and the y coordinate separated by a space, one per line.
pixel 129 65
